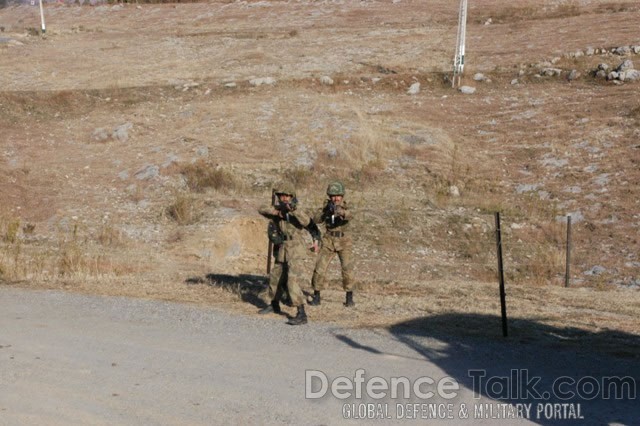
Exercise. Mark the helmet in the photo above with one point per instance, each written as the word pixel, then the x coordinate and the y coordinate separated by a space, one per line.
pixel 285 188
pixel 335 188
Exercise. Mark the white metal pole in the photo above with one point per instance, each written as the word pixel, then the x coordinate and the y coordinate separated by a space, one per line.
pixel 42 18
pixel 458 61
pixel 463 32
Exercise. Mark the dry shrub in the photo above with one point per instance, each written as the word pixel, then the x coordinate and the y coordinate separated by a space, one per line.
pixel 537 251
pixel 476 244
pixel 33 31
pixel 14 259
pixel 368 173
pixel 109 235
pixel 71 260
pixel 69 256
pixel 515 14
pixel 11 228
pixel 185 209
pixel 617 7
pixel 202 175
pixel 543 264
pixel 136 194
pixel 635 114
pixel 369 140
pixel 299 176
pixel 29 229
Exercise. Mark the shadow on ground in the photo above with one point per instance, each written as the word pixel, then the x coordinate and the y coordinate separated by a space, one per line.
pixel 537 364
pixel 247 286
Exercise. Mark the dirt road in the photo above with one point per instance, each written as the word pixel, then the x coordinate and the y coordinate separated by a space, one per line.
pixel 69 359
pixel 74 359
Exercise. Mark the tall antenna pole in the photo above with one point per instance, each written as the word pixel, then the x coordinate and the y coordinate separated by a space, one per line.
pixel 458 61
pixel 42 17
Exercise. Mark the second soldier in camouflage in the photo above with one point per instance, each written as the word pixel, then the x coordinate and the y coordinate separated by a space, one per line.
pixel 336 217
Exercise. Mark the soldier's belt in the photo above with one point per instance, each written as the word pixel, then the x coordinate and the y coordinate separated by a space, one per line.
pixel 336 233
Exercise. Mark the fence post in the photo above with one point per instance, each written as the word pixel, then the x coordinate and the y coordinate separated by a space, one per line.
pixel 568 261
pixel 503 301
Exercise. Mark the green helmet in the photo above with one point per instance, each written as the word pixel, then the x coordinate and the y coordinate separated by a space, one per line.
pixel 335 188
pixel 285 188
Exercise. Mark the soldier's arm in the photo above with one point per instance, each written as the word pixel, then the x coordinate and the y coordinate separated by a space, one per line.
pixel 313 229
pixel 301 216
pixel 318 215
pixel 269 212
pixel 344 211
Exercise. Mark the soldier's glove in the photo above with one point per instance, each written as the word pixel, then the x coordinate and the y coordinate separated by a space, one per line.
pixel 286 207
pixel 340 211
pixel 290 206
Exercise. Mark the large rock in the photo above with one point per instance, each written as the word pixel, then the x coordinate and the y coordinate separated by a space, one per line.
pixel 630 75
pixel 414 89
pixel 468 90
pixel 627 64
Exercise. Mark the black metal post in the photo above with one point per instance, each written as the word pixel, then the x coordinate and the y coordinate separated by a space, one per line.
pixel 567 271
pixel 503 301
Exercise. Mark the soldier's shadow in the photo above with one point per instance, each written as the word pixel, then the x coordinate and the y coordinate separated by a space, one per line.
pixel 248 287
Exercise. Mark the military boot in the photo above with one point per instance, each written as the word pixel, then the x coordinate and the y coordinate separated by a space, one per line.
pixel 300 318
pixel 273 307
pixel 315 301
pixel 349 300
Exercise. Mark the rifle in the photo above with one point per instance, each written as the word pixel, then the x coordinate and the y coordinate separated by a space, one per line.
pixel 331 207
pixel 270 247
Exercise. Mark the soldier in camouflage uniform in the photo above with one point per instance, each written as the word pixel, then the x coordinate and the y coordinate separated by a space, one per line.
pixel 335 216
pixel 289 220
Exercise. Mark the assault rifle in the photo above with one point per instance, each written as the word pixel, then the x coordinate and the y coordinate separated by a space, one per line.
pixel 270 247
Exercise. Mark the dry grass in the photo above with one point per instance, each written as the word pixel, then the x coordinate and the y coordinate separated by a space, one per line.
pixel 618 7
pixel 74 253
pixel 300 177
pixel 511 14
pixel 202 175
pixel 185 209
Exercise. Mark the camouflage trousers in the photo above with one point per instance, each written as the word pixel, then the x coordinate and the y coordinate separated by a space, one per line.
pixel 330 247
pixel 285 276
pixel 277 283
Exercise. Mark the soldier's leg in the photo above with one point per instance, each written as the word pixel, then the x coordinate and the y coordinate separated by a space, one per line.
pixel 275 278
pixel 284 296
pixel 346 264
pixel 295 278
pixel 281 289
pixel 272 294
pixel 347 274
pixel 319 277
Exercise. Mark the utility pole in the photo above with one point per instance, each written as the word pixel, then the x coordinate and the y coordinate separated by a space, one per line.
pixel 458 61
pixel 42 17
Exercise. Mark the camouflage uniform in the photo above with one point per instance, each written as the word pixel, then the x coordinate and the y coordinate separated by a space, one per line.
pixel 287 270
pixel 277 289
pixel 336 240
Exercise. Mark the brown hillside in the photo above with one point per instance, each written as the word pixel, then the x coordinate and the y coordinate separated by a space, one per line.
pixel 107 117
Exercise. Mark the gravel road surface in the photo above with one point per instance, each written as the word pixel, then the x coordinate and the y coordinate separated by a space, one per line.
pixel 73 359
